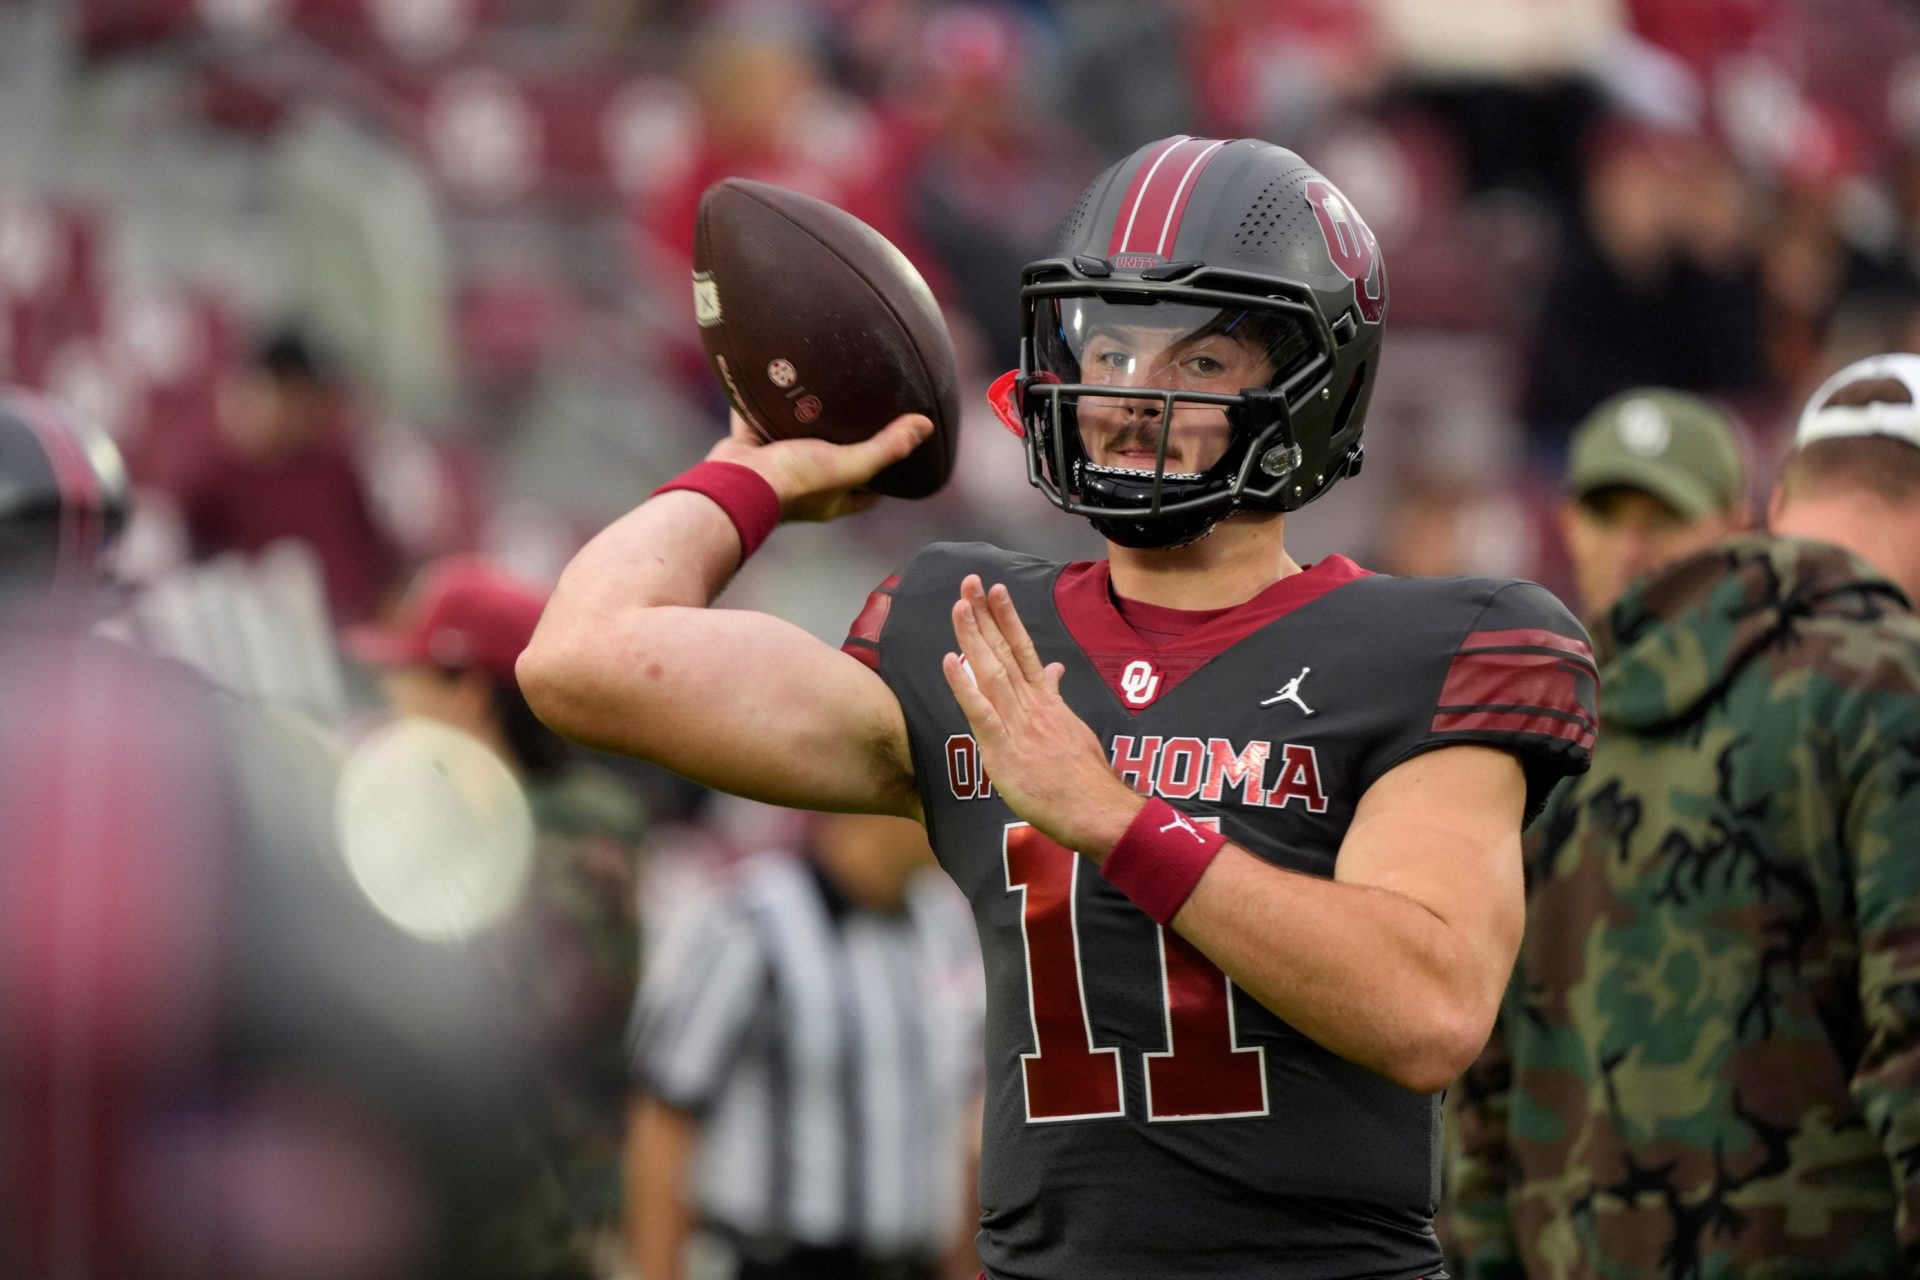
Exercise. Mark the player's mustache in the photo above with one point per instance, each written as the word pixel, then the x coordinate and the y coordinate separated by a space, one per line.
pixel 1144 438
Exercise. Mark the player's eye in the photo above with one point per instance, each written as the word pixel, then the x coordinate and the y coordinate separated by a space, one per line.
pixel 1114 361
pixel 1205 366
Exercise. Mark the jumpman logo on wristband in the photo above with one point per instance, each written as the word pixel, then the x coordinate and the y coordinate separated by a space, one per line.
pixel 1180 821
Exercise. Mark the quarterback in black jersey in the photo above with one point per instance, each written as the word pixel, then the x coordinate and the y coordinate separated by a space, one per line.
pixel 1241 836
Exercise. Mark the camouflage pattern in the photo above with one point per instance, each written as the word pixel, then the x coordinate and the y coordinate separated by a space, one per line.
pixel 568 961
pixel 1708 1063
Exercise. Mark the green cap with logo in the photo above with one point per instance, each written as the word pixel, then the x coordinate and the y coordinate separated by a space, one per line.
pixel 1675 446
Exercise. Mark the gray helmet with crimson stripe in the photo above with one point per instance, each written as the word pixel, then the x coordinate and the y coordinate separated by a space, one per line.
pixel 1204 340
pixel 63 496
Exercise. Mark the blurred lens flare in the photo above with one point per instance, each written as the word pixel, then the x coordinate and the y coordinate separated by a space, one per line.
pixel 435 829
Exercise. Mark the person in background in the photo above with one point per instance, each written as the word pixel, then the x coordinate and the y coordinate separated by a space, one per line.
pixel 1706 1063
pixel 197 1007
pixel 569 955
pixel 1653 475
pixel 1655 287
pixel 283 467
pixel 807 1055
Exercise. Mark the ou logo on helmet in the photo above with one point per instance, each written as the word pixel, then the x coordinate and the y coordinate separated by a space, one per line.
pixel 1351 244
pixel 1139 682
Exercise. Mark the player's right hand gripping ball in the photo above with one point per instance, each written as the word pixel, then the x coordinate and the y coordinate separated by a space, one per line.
pixel 818 326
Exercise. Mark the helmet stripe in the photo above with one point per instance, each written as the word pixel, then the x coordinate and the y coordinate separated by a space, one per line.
pixel 1158 196
pixel 80 530
pixel 1169 230
pixel 1136 192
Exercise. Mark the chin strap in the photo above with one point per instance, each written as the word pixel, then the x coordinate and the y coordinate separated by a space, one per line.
pixel 1159 535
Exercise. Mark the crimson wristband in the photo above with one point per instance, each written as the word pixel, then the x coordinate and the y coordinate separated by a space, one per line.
pixel 741 492
pixel 1161 858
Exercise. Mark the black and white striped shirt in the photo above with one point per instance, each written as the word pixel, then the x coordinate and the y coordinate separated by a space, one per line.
pixel 832 1053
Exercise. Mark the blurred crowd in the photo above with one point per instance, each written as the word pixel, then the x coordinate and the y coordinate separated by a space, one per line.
pixel 480 214
pixel 359 285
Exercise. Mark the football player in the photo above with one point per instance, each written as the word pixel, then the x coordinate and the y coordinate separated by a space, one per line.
pixel 1241 835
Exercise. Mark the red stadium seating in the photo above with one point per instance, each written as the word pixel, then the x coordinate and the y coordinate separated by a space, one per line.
pixel 411 30
pixel 49 284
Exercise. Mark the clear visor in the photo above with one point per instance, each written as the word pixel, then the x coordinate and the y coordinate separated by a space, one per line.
pixel 1202 355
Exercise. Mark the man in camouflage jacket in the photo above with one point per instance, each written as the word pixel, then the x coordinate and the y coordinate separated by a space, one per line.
pixel 1708 1064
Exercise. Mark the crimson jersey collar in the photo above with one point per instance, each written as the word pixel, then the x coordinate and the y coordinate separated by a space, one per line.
pixel 1161 625
pixel 1081 597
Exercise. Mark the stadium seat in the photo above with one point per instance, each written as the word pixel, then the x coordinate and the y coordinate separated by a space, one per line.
pixel 49 291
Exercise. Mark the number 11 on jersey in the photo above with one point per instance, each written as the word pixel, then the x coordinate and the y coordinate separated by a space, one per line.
pixel 1202 1074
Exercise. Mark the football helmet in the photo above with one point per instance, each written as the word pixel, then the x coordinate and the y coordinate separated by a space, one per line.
pixel 1204 340
pixel 63 496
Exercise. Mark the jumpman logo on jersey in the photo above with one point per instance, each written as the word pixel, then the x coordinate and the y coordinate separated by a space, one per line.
pixel 1290 692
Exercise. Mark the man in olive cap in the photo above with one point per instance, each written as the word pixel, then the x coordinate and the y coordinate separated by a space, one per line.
pixel 1653 475
pixel 1708 1061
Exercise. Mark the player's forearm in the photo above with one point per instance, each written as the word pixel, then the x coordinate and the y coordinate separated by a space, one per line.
pixel 659 1161
pixel 614 644
pixel 677 549
pixel 1369 974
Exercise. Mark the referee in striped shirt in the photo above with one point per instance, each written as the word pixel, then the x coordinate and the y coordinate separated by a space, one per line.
pixel 808 1056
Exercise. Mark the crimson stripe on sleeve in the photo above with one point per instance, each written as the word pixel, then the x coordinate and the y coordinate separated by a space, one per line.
pixel 863 637
pixel 1514 679
pixel 1529 638
pixel 1520 680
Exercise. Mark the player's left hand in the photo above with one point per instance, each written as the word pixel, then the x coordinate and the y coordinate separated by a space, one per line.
pixel 1044 760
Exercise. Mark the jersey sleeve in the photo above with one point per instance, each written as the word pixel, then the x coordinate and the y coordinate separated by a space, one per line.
pixel 702 991
pixel 863 637
pixel 1521 678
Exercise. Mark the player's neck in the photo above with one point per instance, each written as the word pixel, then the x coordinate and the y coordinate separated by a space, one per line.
pixel 1885 535
pixel 1241 558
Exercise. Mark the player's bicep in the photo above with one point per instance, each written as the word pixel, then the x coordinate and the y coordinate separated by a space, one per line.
pixel 749 704
pixel 1443 829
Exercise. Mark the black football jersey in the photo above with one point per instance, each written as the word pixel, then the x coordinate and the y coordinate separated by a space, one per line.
pixel 1144 1117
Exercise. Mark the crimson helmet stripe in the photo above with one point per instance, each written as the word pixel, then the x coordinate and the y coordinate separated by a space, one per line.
pixel 80 518
pixel 1130 204
pixel 1169 230
pixel 1150 214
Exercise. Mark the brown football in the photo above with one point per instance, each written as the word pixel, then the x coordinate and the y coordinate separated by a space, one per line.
pixel 818 326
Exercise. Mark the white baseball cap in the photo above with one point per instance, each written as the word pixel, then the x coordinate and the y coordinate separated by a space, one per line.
pixel 1901 421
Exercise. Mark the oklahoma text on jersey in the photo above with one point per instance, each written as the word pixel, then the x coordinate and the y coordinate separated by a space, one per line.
pixel 1180 769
